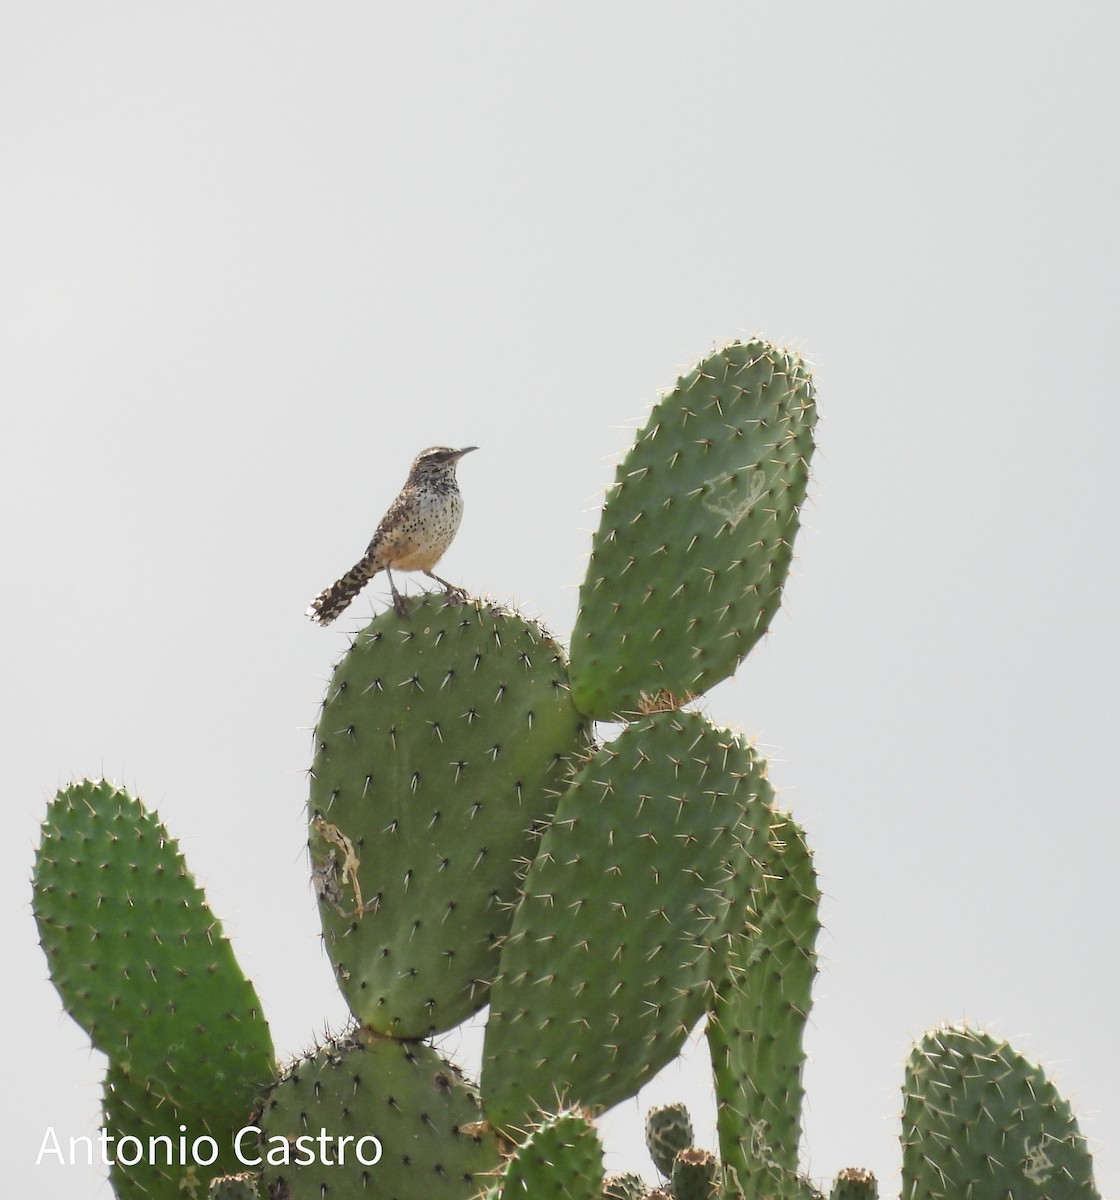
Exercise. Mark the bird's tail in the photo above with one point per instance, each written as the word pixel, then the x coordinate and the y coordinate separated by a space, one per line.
pixel 329 603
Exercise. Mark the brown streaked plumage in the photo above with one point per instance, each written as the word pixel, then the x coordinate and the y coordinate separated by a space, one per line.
pixel 412 536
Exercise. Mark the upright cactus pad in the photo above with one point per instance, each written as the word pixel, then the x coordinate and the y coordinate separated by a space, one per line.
pixel 758 1019
pixel 650 860
pixel 152 1165
pixel 668 1132
pixel 441 744
pixel 363 1092
pixel 978 1120
pixel 559 1159
pixel 141 962
pixel 854 1183
pixel 695 1175
pixel 696 535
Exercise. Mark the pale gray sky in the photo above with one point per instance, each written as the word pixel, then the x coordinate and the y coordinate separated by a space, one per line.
pixel 256 255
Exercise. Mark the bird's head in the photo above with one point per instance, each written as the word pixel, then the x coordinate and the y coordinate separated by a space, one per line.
pixel 437 460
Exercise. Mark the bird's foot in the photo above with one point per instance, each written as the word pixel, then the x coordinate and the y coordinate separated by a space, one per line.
pixel 455 595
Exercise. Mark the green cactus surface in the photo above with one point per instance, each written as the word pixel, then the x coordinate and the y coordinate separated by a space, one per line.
pixel 695 1175
pixel 471 845
pixel 757 1021
pixel 234 1187
pixel 981 1121
pixel 854 1183
pixel 559 1159
pixel 650 860
pixel 141 962
pixel 440 746
pixel 627 1186
pixel 668 1131
pixel 696 534
pixel 130 1110
pixel 362 1086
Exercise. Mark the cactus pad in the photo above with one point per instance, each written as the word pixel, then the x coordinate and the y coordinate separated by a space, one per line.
pixel 559 1159
pixel 854 1183
pixel 627 1186
pixel 695 1175
pixel 696 534
pixel 649 861
pixel 234 1187
pixel 758 1018
pixel 979 1120
pixel 141 962
pixel 130 1110
pixel 440 746
pixel 668 1131
pixel 416 1105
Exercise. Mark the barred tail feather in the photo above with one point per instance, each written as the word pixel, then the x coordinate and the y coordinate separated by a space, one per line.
pixel 330 603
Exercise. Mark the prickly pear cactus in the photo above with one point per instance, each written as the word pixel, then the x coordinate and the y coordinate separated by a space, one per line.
pixel 668 1132
pixel 141 963
pixel 979 1120
pixel 695 1175
pixel 131 1109
pixel 758 1018
pixel 440 747
pixel 696 534
pixel 649 863
pixel 559 1159
pixel 234 1187
pixel 854 1183
pixel 370 1115
pixel 469 846
pixel 627 1186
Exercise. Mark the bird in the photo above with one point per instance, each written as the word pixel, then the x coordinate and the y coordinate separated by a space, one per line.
pixel 412 536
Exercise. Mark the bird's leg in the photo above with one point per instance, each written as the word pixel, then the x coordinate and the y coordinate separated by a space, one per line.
pixel 399 602
pixel 453 593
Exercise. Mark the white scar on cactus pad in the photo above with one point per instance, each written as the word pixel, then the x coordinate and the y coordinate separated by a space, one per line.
pixel 722 494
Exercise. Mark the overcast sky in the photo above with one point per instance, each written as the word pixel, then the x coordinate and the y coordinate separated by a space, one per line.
pixel 255 256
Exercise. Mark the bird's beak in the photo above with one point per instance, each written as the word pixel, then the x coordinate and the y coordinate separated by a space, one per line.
pixel 465 450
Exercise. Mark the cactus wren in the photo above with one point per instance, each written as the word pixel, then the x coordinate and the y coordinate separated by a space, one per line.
pixel 413 534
